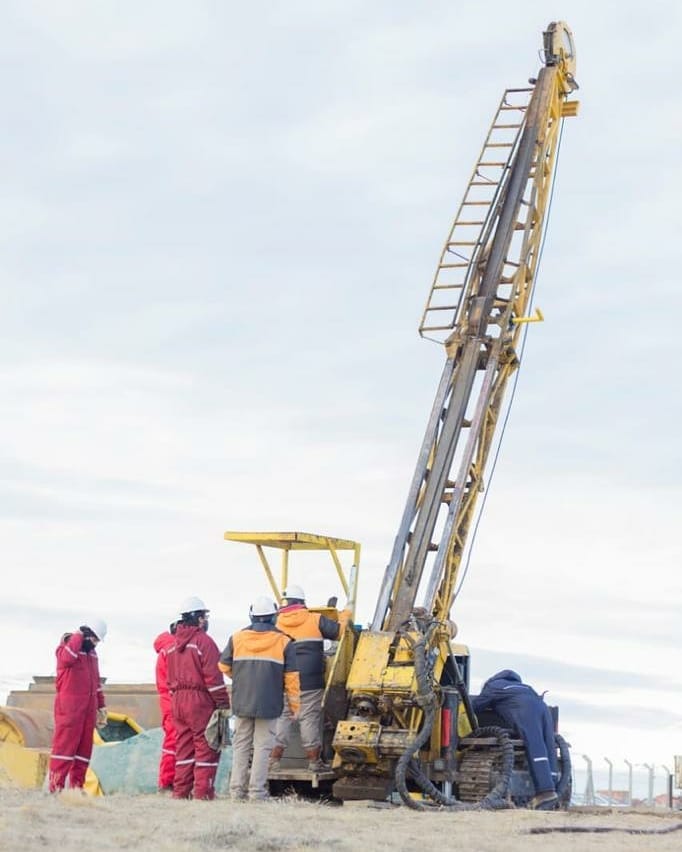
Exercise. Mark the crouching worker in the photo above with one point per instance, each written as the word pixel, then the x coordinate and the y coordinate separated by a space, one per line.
pixel 309 630
pixel 197 688
pixel 522 709
pixel 261 661
pixel 78 706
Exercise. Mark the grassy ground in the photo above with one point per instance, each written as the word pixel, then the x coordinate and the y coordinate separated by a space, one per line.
pixel 31 820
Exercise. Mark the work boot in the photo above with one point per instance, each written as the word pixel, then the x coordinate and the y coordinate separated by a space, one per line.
pixel 275 757
pixel 546 801
pixel 315 762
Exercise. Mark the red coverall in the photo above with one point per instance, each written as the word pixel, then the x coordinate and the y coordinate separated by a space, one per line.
pixel 197 688
pixel 79 696
pixel 167 763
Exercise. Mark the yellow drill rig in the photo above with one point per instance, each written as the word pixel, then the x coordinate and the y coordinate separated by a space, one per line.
pixel 406 724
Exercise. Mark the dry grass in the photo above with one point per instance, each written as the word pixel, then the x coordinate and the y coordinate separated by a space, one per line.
pixel 31 820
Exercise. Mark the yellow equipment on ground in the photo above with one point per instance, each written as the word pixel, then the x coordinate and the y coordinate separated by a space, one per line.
pixel 26 738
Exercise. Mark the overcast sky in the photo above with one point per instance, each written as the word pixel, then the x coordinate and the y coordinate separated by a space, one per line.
pixel 219 223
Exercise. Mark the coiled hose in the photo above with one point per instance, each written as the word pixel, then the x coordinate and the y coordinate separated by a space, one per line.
pixel 495 799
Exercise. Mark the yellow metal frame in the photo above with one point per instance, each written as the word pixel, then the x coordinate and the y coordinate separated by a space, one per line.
pixel 288 541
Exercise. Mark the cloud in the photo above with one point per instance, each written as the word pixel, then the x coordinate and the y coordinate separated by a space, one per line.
pixel 219 226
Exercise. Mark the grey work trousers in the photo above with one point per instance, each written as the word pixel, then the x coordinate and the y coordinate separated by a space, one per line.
pixel 309 720
pixel 252 741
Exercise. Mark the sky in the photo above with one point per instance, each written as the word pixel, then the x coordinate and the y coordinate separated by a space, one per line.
pixel 220 222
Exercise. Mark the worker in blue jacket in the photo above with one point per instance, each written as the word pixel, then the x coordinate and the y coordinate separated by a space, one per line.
pixel 523 710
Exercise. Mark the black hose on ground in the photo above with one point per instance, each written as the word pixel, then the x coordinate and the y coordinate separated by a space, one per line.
pixel 496 799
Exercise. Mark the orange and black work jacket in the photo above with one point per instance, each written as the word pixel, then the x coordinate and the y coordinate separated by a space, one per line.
pixel 309 630
pixel 261 660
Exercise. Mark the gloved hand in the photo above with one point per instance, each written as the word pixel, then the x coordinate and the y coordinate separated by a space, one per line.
pixel 101 718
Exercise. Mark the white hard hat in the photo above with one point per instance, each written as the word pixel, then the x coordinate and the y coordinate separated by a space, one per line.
pixel 192 604
pixel 294 592
pixel 263 606
pixel 98 627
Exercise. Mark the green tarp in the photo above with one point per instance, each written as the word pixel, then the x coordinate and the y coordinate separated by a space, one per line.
pixel 132 765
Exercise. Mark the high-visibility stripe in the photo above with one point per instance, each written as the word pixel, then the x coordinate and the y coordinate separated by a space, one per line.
pixel 167 751
pixel 219 686
pixel 309 639
pixel 62 756
pixel 244 659
pixel 540 759
pixel 196 648
pixel 184 762
pixel 84 759
pixel 201 763
pixel 73 653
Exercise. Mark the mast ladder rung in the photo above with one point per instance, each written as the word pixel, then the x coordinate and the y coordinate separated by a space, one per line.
pixel 441 308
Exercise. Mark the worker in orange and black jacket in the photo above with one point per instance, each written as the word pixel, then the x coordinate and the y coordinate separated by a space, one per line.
pixel 197 688
pixel 309 630
pixel 261 662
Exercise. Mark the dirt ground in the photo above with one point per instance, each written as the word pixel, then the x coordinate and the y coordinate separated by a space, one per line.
pixel 32 819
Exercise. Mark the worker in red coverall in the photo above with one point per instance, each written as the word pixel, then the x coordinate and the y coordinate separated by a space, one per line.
pixel 78 706
pixel 196 688
pixel 167 763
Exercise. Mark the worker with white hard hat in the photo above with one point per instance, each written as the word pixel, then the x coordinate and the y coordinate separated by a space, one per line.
pixel 309 630
pixel 78 706
pixel 197 688
pixel 261 661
